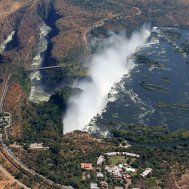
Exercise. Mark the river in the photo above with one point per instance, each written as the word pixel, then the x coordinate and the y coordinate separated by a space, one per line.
pixel 38 93
pixel 163 97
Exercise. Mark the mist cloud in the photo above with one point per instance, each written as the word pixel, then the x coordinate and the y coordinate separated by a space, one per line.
pixel 106 69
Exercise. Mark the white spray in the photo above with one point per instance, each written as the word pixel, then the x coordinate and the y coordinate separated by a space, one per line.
pixel 7 40
pixel 106 69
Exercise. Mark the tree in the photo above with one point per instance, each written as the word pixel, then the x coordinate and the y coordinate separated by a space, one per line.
pixel 19 175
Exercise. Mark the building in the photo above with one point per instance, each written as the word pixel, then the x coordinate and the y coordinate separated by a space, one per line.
pixel 94 186
pixel 38 146
pixel 87 166
pixel 99 175
pixel 122 154
pixel 130 169
pixel 146 172
pixel 100 160
pixel 104 184
pixel 116 171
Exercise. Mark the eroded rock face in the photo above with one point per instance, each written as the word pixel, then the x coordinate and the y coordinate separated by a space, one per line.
pixel 22 18
pixel 75 22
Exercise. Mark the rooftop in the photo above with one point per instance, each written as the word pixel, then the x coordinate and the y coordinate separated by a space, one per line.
pixel 94 186
pixel 146 172
pixel 100 160
pixel 37 146
pixel 87 166
pixel 99 175
pixel 122 154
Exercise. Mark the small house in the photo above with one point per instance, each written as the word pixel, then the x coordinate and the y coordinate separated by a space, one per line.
pixel 99 175
pixel 94 186
pixel 87 166
pixel 146 172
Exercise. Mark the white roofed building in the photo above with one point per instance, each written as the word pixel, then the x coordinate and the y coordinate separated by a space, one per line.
pixel 99 175
pixel 100 160
pixel 122 154
pixel 94 186
pixel 146 172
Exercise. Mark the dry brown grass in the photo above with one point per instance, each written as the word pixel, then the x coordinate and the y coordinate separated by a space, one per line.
pixel 8 7
pixel 184 181
pixel 183 1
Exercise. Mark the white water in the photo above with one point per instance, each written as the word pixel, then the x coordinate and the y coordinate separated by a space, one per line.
pixel 37 94
pixel 106 69
pixel 9 39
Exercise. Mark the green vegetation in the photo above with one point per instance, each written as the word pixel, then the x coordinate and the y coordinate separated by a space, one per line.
pixel 185 47
pixel 149 134
pixel 175 106
pixel 166 79
pixel 147 61
pixel 172 35
pixel 67 74
pixel 75 70
pixel 152 87
pixel 71 69
pixel 43 122
pixel 61 163
pixel 114 160
pixel 99 31
pixel 22 78
pixel 163 161
pixel 74 56
pixel 116 115
pixel 65 169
